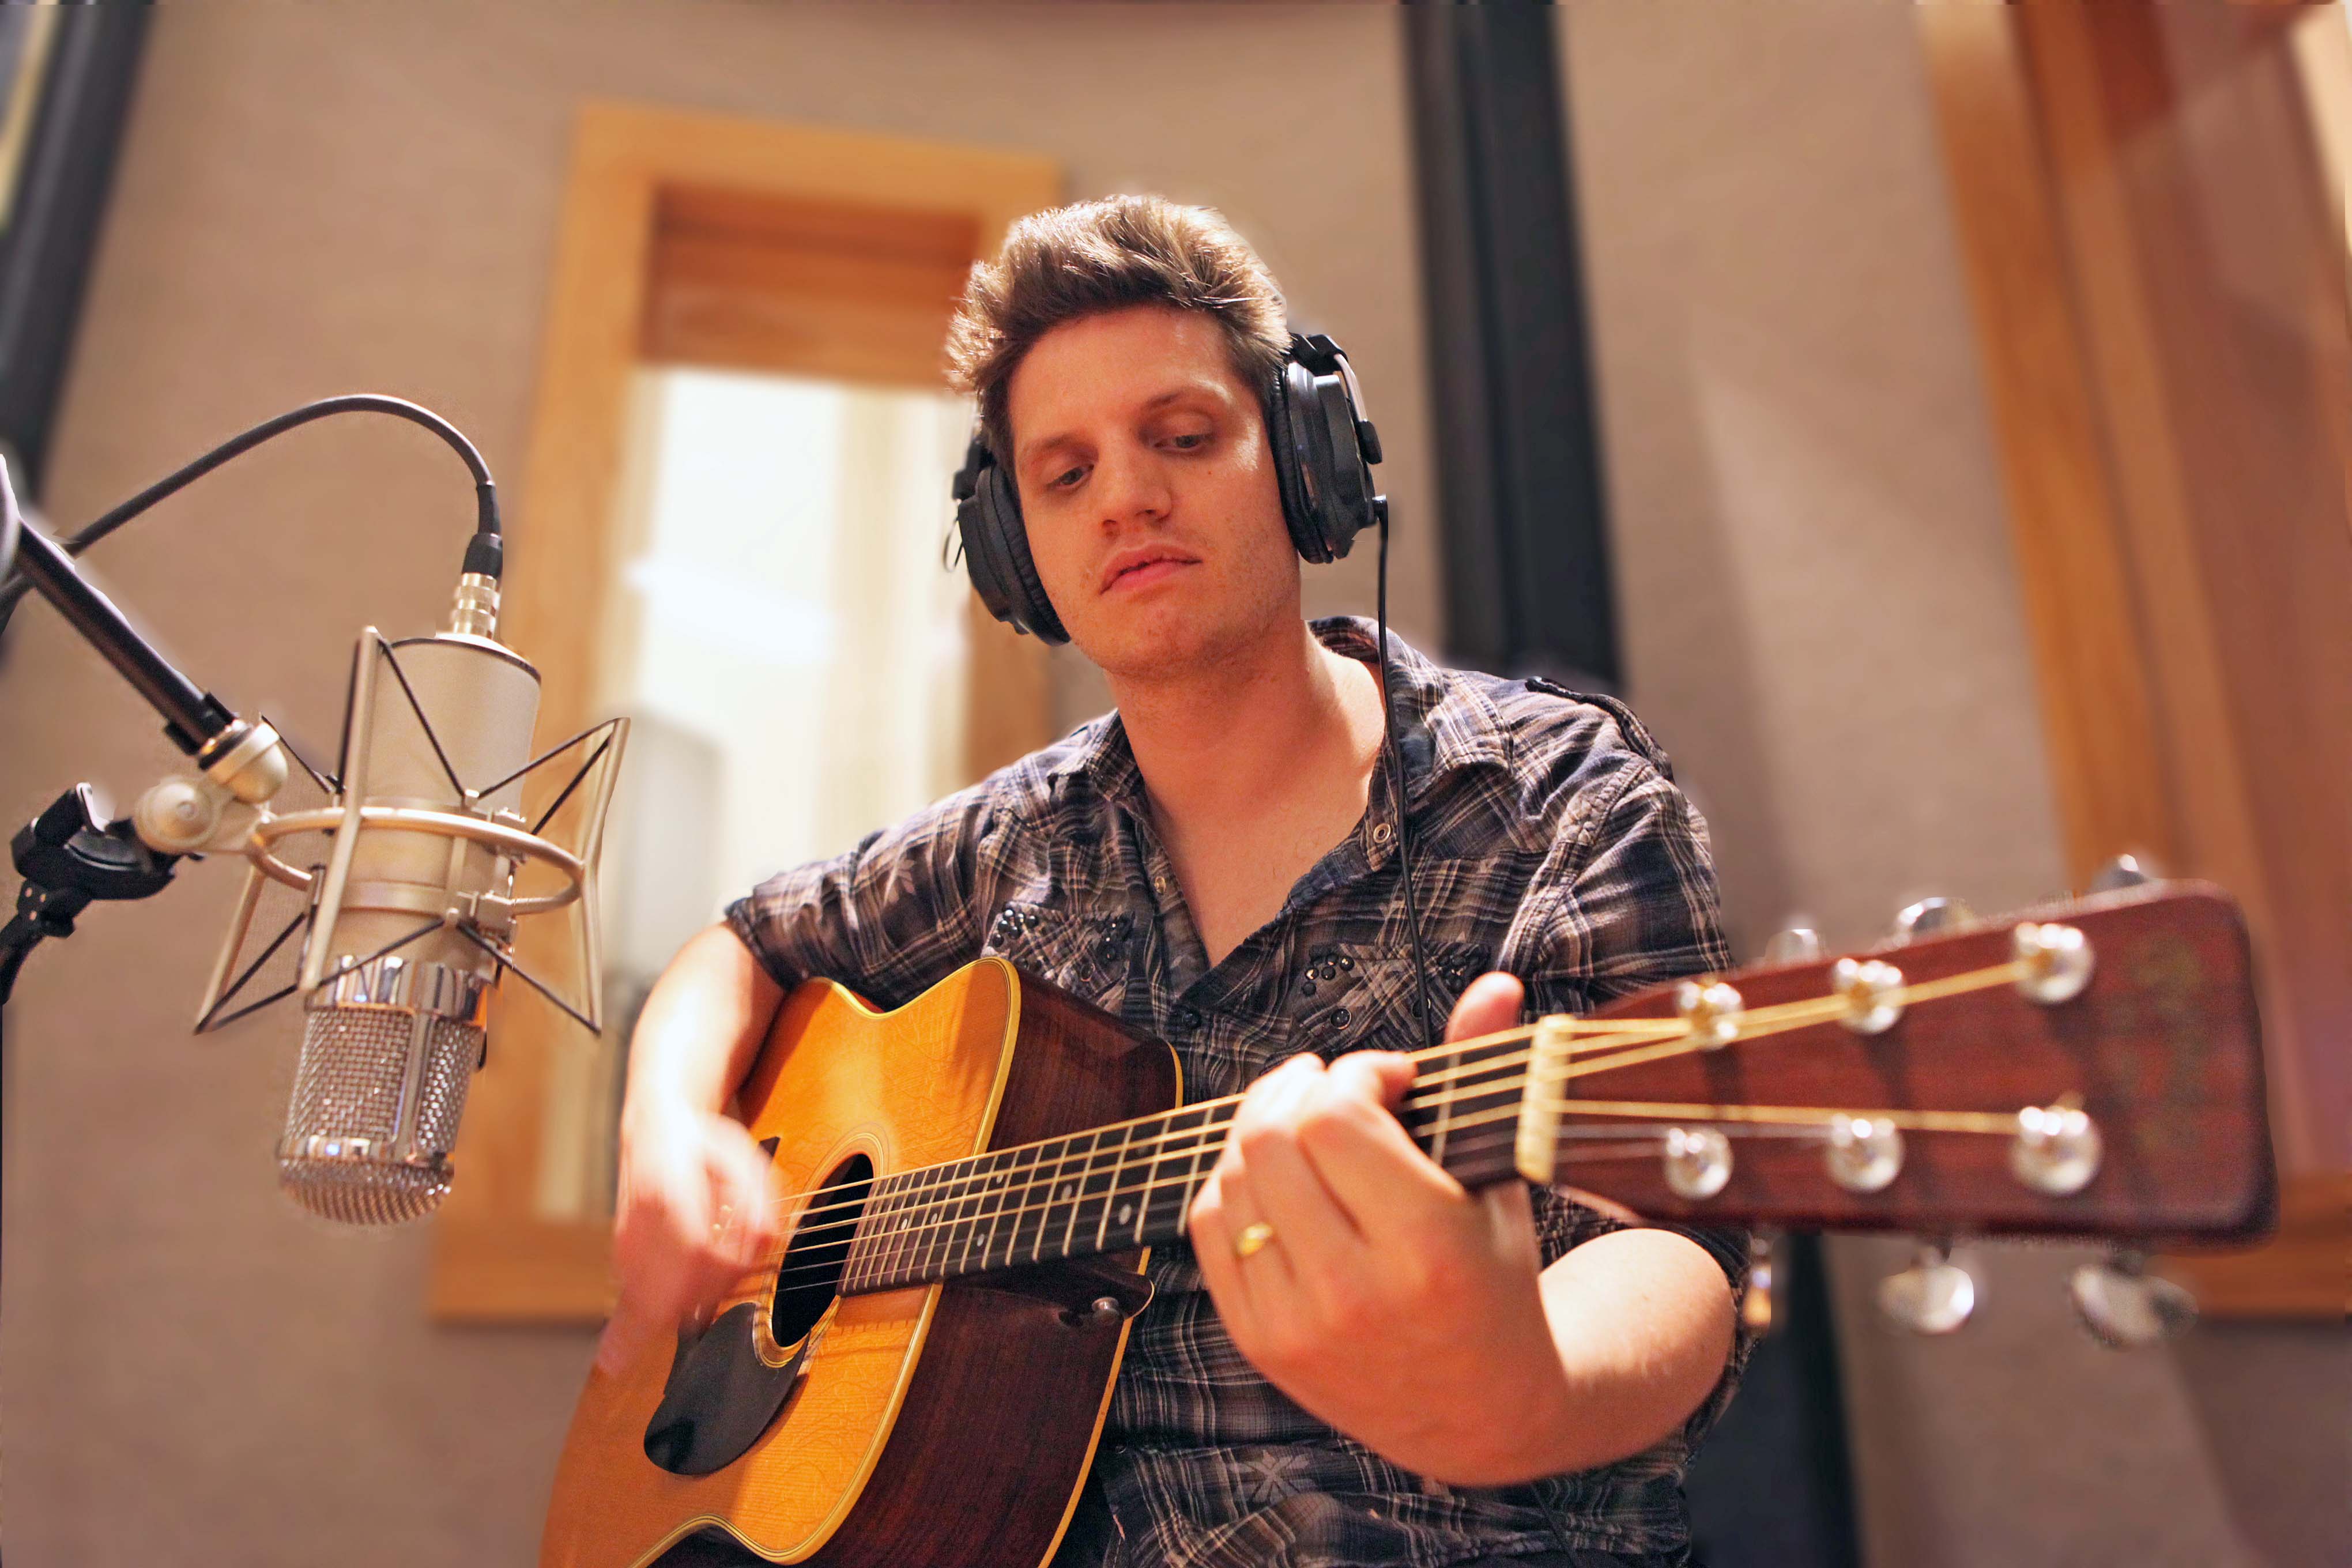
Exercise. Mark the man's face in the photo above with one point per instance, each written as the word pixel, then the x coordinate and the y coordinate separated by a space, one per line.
pixel 1148 490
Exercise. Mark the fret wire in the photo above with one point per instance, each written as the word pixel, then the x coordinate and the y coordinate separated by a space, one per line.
pixel 898 1238
pixel 1445 1115
pixel 1102 1226
pixel 979 1191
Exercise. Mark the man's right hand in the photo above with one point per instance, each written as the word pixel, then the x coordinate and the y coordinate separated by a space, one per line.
pixel 695 1211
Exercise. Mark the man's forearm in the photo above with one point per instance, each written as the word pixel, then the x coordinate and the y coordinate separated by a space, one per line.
pixel 1643 1323
pixel 701 1026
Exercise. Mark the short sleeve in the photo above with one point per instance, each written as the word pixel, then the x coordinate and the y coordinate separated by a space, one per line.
pixel 889 919
pixel 1628 902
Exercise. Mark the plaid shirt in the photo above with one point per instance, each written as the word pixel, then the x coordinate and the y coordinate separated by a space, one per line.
pixel 1548 840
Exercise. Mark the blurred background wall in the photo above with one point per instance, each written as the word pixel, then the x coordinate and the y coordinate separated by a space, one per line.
pixel 1815 588
pixel 1823 620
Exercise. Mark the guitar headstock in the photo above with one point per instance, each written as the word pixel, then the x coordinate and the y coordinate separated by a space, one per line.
pixel 2091 1068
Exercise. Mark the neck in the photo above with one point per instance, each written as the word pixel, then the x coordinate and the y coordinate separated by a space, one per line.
pixel 1253 724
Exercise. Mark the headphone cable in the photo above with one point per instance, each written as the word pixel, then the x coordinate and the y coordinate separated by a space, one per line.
pixel 1433 1032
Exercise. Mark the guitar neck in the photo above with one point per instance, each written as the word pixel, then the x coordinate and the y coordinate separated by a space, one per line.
pixel 1129 1185
pixel 2101 1076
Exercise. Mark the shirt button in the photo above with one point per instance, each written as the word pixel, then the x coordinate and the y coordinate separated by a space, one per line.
pixel 1340 1017
pixel 1382 833
pixel 1188 1017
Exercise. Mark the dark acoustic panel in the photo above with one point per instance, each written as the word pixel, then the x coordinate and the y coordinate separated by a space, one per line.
pixel 49 230
pixel 1524 530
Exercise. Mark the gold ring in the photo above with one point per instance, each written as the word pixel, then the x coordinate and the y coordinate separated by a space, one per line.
pixel 1253 1239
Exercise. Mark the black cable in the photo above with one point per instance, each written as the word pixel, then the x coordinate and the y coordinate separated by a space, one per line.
pixel 1434 1032
pixel 486 502
pixel 11 521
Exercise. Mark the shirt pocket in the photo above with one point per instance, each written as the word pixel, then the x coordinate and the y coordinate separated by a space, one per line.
pixel 1351 998
pixel 1356 997
pixel 1091 957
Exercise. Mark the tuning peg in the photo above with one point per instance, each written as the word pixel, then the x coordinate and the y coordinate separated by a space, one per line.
pixel 1934 1296
pixel 2124 1307
pixel 1929 916
pixel 2125 871
pixel 1798 942
pixel 1756 1306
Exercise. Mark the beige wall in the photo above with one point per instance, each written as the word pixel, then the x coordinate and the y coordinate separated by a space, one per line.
pixel 1815 588
pixel 320 198
pixel 1822 623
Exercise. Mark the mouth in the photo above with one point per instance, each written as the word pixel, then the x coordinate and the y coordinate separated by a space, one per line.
pixel 1141 568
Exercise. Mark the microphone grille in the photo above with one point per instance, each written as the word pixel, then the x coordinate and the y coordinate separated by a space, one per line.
pixel 340 1158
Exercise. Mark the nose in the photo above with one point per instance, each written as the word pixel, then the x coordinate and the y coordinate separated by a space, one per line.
pixel 1132 486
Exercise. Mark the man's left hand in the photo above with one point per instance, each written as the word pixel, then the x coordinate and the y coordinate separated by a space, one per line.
pixel 1386 1300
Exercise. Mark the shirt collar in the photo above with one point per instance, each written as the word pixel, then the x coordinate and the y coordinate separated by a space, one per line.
pixel 1443 723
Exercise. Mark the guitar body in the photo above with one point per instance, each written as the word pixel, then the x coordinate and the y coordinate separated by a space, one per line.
pixel 930 1426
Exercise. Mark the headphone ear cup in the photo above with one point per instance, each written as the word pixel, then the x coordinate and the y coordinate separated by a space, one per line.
pixel 1291 433
pixel 996 549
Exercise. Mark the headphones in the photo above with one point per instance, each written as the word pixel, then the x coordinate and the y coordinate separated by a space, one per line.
pixel 1323 451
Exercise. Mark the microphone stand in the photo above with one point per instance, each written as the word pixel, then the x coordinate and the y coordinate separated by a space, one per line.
pixel 70 856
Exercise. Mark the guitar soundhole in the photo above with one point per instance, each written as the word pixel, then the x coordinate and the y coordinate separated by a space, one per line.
pixel 810 1276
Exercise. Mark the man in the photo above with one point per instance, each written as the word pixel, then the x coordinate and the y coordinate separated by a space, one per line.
pixel 1353 1360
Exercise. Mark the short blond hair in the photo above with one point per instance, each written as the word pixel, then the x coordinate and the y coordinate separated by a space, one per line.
pixel 1089 258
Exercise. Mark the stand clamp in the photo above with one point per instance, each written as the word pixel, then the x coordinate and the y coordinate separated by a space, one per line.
pixel 71 857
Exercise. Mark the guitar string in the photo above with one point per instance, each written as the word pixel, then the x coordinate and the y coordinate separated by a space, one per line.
pixel 1638 1140
pixel 982 1185
pixel 940 1189
pixel 1607 1032
pixel 938 1178
pixel 1802 1121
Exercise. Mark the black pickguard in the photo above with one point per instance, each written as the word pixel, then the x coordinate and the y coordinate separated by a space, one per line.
pixel 720 1395
pixel 720 1398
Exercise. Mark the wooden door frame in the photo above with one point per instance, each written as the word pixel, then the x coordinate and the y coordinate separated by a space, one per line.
pixel 2120 383
pixel 495 1257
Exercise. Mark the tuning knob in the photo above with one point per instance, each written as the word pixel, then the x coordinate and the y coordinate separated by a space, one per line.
pixel 1756 1306
pixel 1798 942
pixel 2124 871
pixel 1934 1296
pixel 1929 916
pixel 2124 1307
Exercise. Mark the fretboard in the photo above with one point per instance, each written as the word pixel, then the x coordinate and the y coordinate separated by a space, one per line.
pixel 1129 1185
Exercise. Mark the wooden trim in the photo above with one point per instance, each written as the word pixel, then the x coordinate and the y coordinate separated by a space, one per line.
pixel 2305 1271
pixel 495 1257
pixel 2161 303
pixel 497 1268
pixel 2098 714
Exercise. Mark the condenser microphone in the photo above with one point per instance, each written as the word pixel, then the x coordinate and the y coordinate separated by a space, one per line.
pixel 412 918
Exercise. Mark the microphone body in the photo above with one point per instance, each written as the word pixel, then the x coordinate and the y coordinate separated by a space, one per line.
pixel 397 986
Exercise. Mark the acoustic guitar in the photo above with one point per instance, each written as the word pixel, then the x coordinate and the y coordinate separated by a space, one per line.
pixel 918 1376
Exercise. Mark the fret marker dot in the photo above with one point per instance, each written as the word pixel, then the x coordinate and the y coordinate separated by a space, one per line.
pixel 1124 1210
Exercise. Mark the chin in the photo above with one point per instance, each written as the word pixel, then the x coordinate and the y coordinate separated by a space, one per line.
pixel 1153 641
